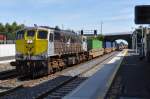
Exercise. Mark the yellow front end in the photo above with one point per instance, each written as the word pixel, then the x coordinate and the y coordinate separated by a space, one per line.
pixel 41 47
pixel 31 46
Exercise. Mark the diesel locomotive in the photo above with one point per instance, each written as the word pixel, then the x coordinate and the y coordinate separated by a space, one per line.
pixel 43 50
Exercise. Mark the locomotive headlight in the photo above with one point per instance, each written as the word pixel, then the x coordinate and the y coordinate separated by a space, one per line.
pixel 29 41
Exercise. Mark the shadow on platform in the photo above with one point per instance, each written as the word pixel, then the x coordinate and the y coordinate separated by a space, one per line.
pixel 132 80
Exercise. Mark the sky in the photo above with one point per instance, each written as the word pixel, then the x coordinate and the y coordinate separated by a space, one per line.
pixel 115 15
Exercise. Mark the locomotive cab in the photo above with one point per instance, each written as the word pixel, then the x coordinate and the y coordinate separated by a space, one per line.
pixel 31 49
pixel 31 43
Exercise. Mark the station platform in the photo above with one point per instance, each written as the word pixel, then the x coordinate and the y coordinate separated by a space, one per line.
pixel 96 87
pixel 124 77
pixel 5 63
pixel 132 80
pixel 7 59
pixel 7 53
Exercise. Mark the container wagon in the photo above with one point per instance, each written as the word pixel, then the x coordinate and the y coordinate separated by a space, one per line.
pixel 95 48
pixel 107 47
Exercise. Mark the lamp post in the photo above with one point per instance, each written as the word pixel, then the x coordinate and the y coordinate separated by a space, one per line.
pixel 134 39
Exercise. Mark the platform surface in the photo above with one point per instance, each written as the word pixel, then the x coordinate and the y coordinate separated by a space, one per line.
pixel 97 86
pixel 135 75
pixel 7 59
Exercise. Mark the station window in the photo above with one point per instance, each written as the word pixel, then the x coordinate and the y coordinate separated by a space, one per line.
pixel 30 33
pixel 20 35
pixel 42 34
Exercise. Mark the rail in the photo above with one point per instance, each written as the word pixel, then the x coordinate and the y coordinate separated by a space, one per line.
pixel 69 84
pixel 69 77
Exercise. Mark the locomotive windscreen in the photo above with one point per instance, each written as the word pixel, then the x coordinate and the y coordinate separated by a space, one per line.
pixel 20 34
pixel 42 34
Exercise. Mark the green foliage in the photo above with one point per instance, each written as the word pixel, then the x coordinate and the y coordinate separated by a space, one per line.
pixel 98 37
pixel 10 29
pixel 2 29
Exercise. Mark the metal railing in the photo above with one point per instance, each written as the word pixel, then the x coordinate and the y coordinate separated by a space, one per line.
pixel 7 41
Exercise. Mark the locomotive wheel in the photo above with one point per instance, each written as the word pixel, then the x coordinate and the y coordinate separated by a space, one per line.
pixel 61 64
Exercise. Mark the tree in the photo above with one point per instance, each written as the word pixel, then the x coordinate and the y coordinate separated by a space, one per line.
pixel 14 26
pixel 100 37
pixel 20 26
pixel 1 28
pixel 10 29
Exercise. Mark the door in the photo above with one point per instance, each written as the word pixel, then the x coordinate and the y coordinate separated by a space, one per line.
pixel 51 45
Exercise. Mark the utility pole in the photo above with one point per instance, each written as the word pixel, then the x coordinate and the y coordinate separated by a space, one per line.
pixel 101 27
pixel 62 27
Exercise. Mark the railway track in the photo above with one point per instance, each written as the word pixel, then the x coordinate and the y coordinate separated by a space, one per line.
pixel 57 85
pixel 8 86
pixel 68 85
pixel 63 89
pixel 8 74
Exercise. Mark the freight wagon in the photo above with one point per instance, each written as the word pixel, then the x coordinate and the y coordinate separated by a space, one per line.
pixel 95 48
pixel 107 47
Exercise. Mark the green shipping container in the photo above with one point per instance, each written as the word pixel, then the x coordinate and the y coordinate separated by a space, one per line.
pixel 94 44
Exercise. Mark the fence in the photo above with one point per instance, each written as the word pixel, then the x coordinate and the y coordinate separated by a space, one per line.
pixel 7 50
pixel 7 41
